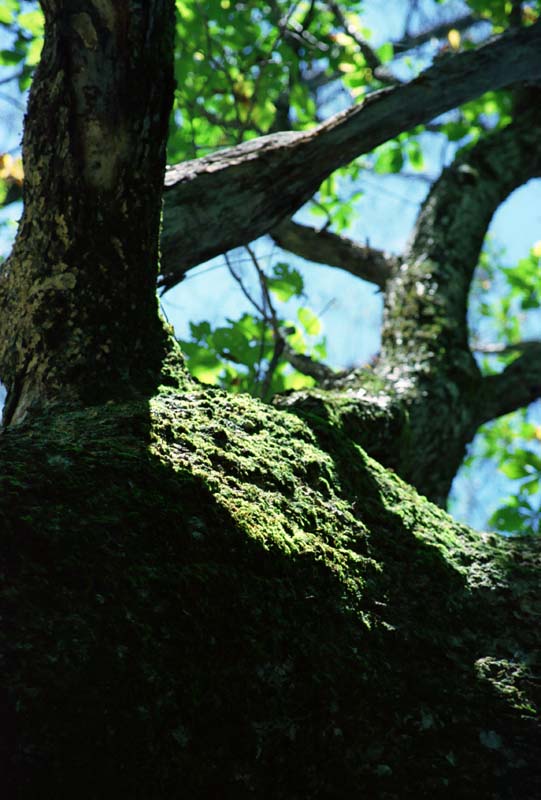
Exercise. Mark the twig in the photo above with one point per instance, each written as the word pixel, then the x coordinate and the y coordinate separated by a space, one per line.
pixel 10 78
pixel 271 317
pixel 243 288
pixel 439 31
pixel 370 56
pixel 493 348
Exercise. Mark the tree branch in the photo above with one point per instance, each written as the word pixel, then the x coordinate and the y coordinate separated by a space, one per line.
pixel 307 365
pixel 333 250
pixel 438 31
pixel 372 59
pixel 449 234
pixel 425 350
pixel 229 198
pixel 518 385
pixel 494 348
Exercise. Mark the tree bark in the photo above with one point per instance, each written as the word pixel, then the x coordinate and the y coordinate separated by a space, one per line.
pixel 207 593
pixel 326 247
pixel 240 193
pixel 429 393
pixel 80 320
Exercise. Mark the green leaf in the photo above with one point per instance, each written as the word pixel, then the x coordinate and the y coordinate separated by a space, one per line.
pixel 507 519
pixel 532 487
pixel 309 321
pixel 296 380
pixel 9 58
pixel 456 130
pixel 415 154
pixel 514 469
pixel 200 330
pixel 286 282
pixel 8 9
pixel 32 21
pixel 389 158
pixel 202 363
pixel 385 52
pixel 34 52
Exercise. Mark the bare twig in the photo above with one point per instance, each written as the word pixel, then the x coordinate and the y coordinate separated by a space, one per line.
pixel 12 101
pixel 243 288
pixel 10 78
pixel 269 315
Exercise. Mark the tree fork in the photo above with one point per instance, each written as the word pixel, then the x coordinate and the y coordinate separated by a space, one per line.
pixel 425 332
pixel 429 393
pixel 80 321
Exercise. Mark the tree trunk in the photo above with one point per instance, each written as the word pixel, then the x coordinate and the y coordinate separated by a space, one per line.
pixel 207 596
pixel 80 320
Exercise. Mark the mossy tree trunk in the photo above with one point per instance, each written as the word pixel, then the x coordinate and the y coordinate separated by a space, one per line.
pixel 80 320
pixel 208 596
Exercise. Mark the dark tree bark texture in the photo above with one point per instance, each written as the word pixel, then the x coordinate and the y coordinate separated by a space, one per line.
pixel 208 598
pixel 80 314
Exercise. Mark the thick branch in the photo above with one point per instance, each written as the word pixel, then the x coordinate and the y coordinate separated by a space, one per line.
pixel 206 585
pixel 449 235
pixel 425 352
pixel 307 365
pixel 328 248
pixel 229 198
pixel 518 385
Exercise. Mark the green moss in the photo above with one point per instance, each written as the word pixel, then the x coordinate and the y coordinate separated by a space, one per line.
pixel 204 592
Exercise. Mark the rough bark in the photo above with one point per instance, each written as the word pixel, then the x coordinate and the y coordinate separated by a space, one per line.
pixel 425 346
pixel 426 383
pixel 203 592
pixel 238 194
pixel 326 247
pixel 80 316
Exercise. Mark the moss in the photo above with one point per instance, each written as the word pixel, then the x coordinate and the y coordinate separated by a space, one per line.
pixel 361 406
pixel 203 592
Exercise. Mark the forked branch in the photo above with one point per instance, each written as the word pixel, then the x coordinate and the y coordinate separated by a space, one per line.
pixel 229 198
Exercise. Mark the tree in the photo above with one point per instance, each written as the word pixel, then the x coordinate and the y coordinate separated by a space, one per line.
pixel 214 592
